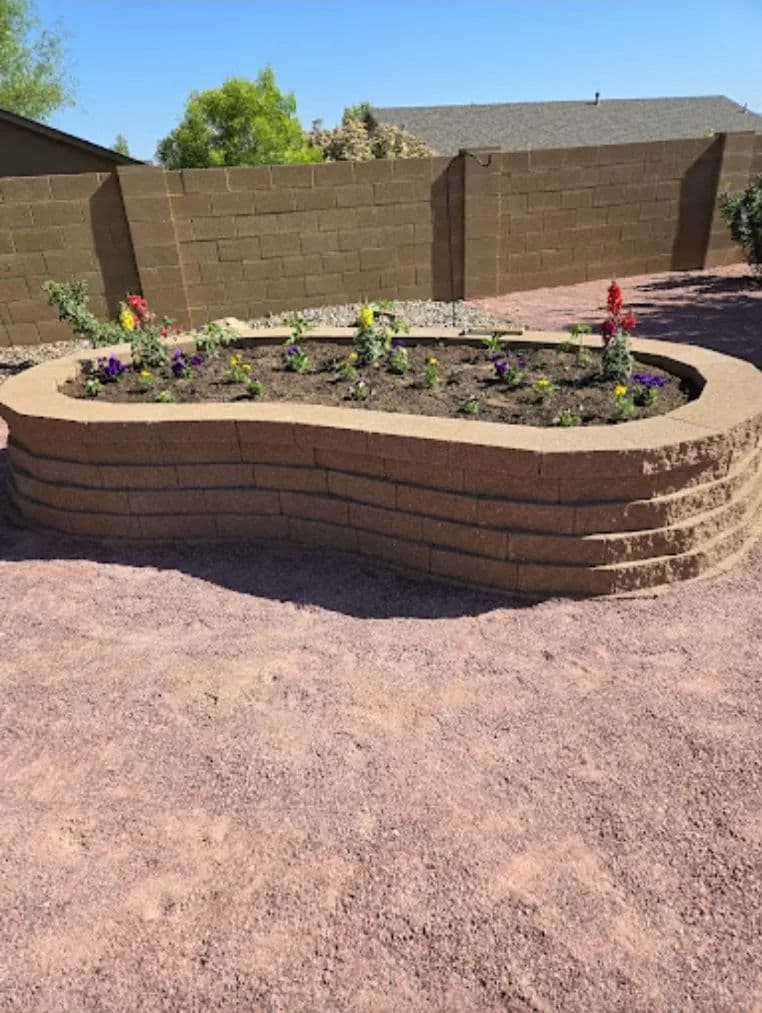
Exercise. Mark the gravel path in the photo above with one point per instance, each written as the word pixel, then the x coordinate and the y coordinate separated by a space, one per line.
pixel 280 780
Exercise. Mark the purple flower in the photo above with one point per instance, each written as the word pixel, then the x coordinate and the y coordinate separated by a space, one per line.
pixel 292 350
pixel 523 364
pixel 644 380
pixel 398 343
pixel 179 364
pixel 111 368
pixel 501 367
pixel 197 361
pixel 497 357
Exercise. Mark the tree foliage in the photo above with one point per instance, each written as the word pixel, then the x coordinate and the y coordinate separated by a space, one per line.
pixel 359 139
pixel 120 144
pixel 743 216
pixel 33 79
pixel 242 123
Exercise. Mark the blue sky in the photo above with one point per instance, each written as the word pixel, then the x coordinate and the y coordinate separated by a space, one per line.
pixel 135 62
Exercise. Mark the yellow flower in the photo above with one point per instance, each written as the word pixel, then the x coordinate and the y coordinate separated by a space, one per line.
pixel 433 361
pixel 234 360
pixel 620 390
pixel 144 374
pixel 352 357
pixel 126 320
pixel 543 382
pixel 246 367
pixel 366 316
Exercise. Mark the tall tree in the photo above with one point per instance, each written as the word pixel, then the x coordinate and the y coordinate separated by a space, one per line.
pixel 120 144
pixel 34 81
pixel 242 123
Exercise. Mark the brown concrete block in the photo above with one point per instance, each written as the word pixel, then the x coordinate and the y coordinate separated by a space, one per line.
pixel 237 249
pixel 137 181
pixel 320 284
pixel 274 201
pixel 286 289
pixel 333 263
pixel 474 569
pixel 333 174
pixel 417 473
pixel 315 200
pixel 166 501
pixel 378 170
pixel 397 551
pixel 392 523
pixel 213 228
pixel 125 476
pixel 249 178
pixel 544 201
pixel 542 578
pixel 258 270
pixel 25 189
pixel 320 242
pixel 526 516
pixel 240 501
pixel 313 507
pixel 17 216
pixel 280 245
pixel 243 526
pixel 290 478
pixel 193 205
pixel 429 502
pixel 466 537
pixel 543 548
pixel 174 527
pixel 323 535
pixel 362 464
pixel 301 265
pixel 12 289
pixel 204 180
pixel 38 239
pixel 209 476
pixel 362 489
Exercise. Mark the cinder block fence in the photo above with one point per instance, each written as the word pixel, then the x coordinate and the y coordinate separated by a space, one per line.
pixel 205 243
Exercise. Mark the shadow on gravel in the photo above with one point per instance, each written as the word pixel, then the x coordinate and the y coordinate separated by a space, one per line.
pixel 321 578
pixel 724 314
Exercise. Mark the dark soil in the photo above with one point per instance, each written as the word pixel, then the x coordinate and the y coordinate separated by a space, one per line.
pixel 467 374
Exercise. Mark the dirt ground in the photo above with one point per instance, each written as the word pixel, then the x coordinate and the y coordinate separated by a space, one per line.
pixel 267 779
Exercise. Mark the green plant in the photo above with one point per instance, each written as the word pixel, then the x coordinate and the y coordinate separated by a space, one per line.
pixel 347 368
pixel 399 362
pixel 93 387
pixel 567 418
pixel 577 330
pixel 470 406
pixel 584 358
pixel 299 327
pixel 743 216
pixel 616 360
pixel 494 345
pixel 137 324
pixel 360 391
pixel 377 323
pixel 239 370
pixel 120 144
pixel 624 405
pixel 33 78
pixel 544 388
pixel 243 122
pixel 212 337
pixel 564 346
pixel 165 396
pixel 295 359
pixel 146 379
pixel 431 373
pixel 255 388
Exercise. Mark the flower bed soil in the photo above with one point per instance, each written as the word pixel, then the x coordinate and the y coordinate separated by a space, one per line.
pixel 466 373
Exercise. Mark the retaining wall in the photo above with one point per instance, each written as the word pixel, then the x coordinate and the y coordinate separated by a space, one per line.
pixel 596 510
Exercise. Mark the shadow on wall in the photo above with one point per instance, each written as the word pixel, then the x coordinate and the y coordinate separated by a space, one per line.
pixel 113 244
pixel 317 578
pixel 715 311
pixel 447 237
pixel 695 211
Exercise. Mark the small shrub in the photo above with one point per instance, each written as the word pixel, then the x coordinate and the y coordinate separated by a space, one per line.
pixel 347 368
pixel 377 324
pixel 165 396
pixel 295 360
pixel 470 407
pixel 239 370
pixel 146 379
pixel 646 389
pixel 255 388
pixel 509 373
pixel 360 391
pixel 624 406
pixel 566 418
pixel 544 388
pixel 398 359
pixel 93 387
pixel 212 337
pixel 431 373
pixel 494 345
pixel 743 216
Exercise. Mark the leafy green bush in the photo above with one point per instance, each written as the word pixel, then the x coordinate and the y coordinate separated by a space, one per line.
pixel 743 216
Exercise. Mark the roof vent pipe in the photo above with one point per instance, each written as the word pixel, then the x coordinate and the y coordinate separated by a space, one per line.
pixel 597 98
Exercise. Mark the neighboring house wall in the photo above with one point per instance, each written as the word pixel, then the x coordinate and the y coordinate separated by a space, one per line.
pixel 206 243
pixel 26 153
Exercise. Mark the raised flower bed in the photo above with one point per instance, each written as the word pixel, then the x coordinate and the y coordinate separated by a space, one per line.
pixel 595 509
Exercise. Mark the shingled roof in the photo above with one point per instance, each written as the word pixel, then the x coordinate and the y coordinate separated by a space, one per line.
pixel 524 126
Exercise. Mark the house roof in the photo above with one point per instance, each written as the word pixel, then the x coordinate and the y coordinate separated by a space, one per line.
pixel 63 138
pixel 523 126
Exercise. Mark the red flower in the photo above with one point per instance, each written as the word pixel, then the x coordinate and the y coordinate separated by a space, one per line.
pixel 164 332
pixel 608 329
pixel 629 322
pixel 614 301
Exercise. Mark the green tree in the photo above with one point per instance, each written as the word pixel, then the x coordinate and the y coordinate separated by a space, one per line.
pixel 121 145
pixel 33 78
pixel 242 123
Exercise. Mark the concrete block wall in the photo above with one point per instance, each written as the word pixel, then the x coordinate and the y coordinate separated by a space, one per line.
pixel 206 243
pixel 60 227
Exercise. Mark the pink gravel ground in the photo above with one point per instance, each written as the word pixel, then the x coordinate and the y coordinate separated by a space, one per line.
pixel 267 779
